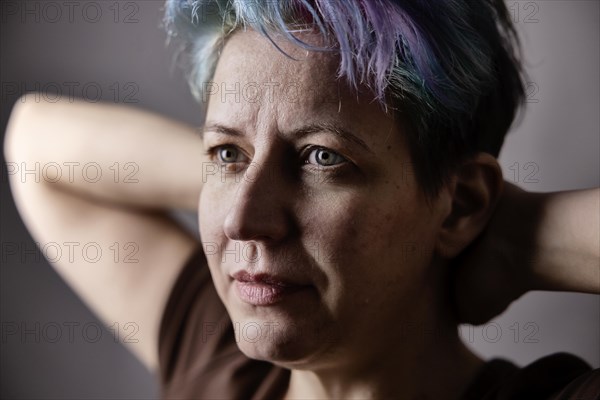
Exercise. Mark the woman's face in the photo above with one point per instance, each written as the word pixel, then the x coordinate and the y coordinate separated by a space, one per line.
pixel 317 237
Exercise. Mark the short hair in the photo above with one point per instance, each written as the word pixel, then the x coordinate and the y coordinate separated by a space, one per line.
pixel 452 68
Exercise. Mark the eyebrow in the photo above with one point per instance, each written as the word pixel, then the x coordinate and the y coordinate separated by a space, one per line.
pixel 298 133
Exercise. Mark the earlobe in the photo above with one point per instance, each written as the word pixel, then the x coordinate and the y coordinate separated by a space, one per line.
pixel 474 193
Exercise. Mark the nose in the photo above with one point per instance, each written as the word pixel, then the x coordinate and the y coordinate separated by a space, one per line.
pixel 259 211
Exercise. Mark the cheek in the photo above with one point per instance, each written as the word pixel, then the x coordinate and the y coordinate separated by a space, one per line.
pixel 371 247
pixel 359 227
pixel 210 219
pixel 211 214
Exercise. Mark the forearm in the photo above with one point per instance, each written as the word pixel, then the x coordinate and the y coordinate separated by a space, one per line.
pixel 533 241
pixel 567 255
pixel 106 152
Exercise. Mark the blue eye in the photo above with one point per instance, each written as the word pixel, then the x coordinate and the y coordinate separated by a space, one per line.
pixel 324 157
pixel 228 154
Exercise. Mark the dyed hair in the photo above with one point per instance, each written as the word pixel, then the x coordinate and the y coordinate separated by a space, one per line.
pixel 451 67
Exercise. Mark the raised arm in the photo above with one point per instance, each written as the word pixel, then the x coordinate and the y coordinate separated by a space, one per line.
pixel 94 183
pixel 121 155
pixel 568 240
pixel 534 241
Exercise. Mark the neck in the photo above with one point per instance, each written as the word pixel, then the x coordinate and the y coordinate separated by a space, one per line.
pixel 425 359
pixel 437 372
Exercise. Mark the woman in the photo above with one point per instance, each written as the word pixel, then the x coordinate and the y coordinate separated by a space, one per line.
pixel 351 208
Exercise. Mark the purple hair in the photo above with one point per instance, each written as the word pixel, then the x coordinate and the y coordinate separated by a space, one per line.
pixel 452 67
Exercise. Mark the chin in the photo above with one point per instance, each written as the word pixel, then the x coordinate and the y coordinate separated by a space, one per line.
pixel 286 344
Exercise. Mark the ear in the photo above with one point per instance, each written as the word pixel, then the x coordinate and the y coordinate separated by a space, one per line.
pixel 474 193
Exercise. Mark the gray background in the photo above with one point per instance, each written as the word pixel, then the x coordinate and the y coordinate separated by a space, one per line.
pixel 556 147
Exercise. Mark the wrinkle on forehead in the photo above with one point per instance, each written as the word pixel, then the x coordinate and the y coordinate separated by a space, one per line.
pixel 311 71
pixel 294 91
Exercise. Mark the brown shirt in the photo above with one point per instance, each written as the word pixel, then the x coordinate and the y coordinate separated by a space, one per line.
pixel 199 357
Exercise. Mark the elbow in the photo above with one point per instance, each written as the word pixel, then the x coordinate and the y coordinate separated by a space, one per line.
pixel 20 126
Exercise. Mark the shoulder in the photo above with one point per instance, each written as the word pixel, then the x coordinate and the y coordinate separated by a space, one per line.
pixel 558 376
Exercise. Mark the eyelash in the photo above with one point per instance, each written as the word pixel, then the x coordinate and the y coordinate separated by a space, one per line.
pixel 309 149
pixel 212 152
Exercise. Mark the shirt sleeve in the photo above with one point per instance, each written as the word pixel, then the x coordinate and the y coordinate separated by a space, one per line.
pixel 585 387
pixel 559 376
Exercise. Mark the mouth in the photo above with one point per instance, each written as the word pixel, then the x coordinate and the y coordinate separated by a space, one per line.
pixel 265 289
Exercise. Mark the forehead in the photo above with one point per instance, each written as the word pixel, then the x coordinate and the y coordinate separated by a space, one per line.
pixel 252 61
pixel 256 85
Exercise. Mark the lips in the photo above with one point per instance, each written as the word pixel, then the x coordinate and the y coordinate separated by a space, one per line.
pixel 245 276
pixel 264 289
